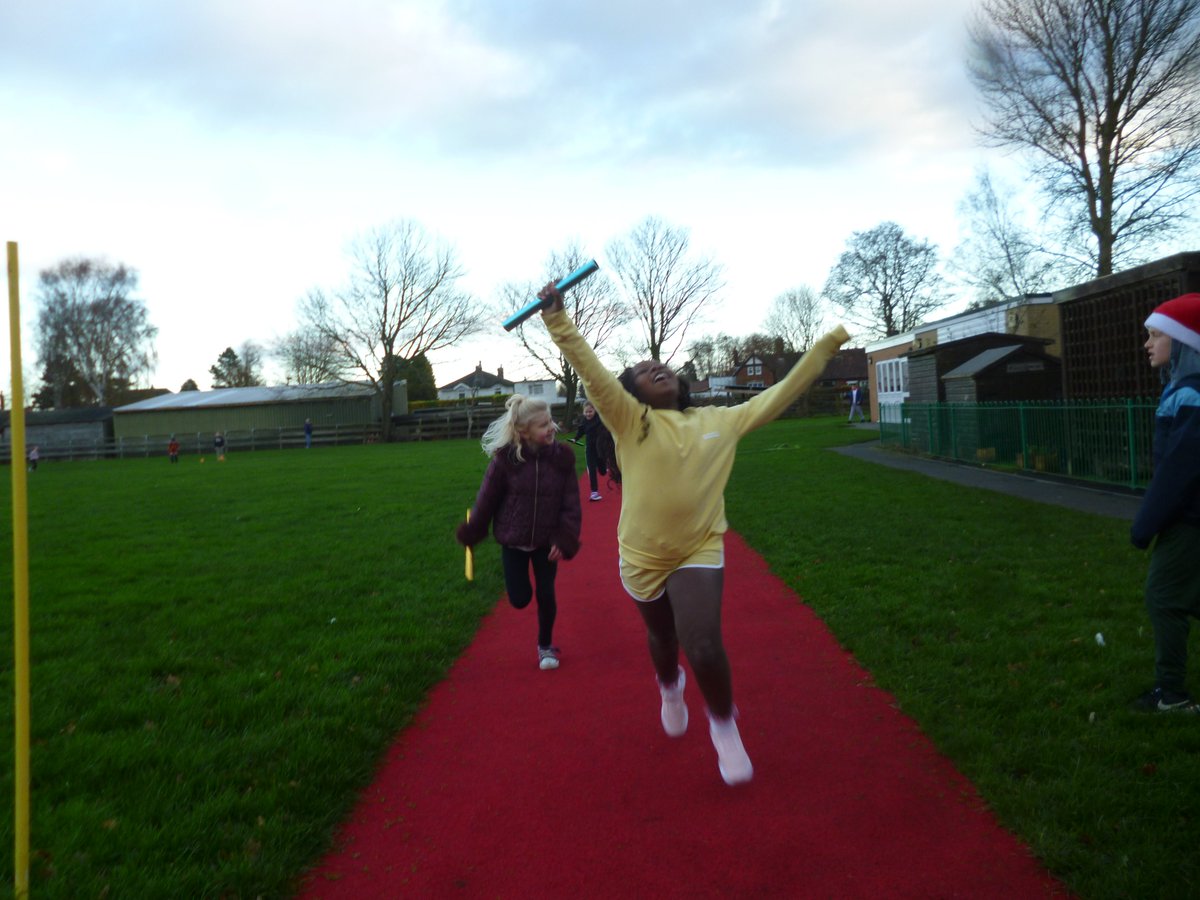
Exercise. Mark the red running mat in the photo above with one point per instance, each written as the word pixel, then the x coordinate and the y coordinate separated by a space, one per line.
pixel 514 782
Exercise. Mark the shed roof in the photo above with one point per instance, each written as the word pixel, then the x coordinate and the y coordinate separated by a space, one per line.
pixel 977 364
pixel 251 396
pixel 988 358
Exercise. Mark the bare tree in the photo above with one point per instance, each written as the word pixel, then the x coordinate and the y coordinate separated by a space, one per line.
pixel 401 300
pixel 885 282
pixel 666 288
pixel 999 260
pixel 89 324
pixel 706 355
pixel 308 357
pixel 722 353
pixel 238 369
pixel 594 305
pixel 796 316
pixel 1105 95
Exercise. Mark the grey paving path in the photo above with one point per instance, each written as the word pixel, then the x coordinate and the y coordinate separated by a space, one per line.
pixel 1116 504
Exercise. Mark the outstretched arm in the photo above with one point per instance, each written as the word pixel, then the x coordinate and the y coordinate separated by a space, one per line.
pixel 618 408
pixel 772 402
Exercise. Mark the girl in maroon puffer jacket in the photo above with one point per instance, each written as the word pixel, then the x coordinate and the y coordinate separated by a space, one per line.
pixel 530 493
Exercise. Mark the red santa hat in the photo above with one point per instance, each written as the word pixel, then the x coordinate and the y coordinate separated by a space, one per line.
pixel 1180 319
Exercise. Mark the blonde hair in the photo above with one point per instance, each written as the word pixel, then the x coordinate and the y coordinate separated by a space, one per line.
pixel 506 430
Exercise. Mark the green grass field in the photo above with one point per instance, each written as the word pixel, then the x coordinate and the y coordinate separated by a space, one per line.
pixel 222 652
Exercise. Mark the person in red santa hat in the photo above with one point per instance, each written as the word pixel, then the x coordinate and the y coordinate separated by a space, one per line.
pixel 1169 515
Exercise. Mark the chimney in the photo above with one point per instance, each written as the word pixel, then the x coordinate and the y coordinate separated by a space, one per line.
pixel 500 372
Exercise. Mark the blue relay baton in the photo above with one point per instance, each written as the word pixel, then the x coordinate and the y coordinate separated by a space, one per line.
pixel 538 305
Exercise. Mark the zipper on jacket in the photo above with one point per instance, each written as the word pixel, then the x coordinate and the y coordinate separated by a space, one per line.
pixel 536 474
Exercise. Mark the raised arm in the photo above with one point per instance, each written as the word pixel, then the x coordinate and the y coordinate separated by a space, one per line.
pixel 619 409
pixel 772 402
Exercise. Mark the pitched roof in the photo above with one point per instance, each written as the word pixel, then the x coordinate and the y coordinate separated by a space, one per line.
pixel 250 396
pixel 478 380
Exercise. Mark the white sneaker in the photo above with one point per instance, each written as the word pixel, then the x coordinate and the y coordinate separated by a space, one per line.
pixel 548 657
pixel 595 495
pixel 674 710
pixel 731 755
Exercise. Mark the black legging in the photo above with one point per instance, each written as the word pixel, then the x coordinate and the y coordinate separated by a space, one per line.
pixel 521 591
pixel 595 465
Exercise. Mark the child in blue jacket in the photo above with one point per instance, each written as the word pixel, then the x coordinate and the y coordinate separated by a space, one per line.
pixel 1170 512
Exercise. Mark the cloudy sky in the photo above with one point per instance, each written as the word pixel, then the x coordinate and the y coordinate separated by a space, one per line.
pixel 229 150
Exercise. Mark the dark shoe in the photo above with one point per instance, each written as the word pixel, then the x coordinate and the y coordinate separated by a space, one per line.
pixel 1160 700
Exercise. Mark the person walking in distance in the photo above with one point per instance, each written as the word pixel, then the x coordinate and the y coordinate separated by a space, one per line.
pixel 675 460
pixel 530 495
pixel 591 429
pixel 856 399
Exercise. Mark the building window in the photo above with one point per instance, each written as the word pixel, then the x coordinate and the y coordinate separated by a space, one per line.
pixel 892 376
pixel 535 388
pixel 754 368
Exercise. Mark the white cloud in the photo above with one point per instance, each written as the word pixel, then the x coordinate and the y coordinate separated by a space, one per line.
pixel 228 150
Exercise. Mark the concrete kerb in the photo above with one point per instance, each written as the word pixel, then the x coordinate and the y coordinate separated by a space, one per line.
pixel 1115 504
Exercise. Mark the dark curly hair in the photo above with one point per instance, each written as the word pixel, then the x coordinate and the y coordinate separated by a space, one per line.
pixel 608 451
pixel 685 388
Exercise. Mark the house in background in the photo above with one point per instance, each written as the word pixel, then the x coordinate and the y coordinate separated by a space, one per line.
pixel 929 368
pixel 1034 317
pixel 762 370
pixel 478 384
pixel 846 369
pixel 1095 330
pixel 543 388
pixel 753 373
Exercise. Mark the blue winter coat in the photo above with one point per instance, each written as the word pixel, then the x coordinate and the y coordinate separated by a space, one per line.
pixel 1174 491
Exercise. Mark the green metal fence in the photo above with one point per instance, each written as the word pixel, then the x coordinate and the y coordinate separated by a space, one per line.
pixel 1102 441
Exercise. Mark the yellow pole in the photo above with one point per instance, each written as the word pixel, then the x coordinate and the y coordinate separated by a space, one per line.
pixel 470 563
pixel 20 584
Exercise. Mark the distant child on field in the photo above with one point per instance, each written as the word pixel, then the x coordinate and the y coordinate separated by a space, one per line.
pixel 219 446
pixel 173 449
pixel 591 429
pixel 530 494
pixel 34 455
pixel 1170 511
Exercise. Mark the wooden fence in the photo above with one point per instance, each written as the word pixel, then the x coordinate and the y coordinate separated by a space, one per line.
pixel 200 443
pixel 434 425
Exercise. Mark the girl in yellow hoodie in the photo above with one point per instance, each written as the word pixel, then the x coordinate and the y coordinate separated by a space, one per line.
pixel 675 459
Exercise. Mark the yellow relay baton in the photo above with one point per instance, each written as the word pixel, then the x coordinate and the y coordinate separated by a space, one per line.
pixel 470 557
